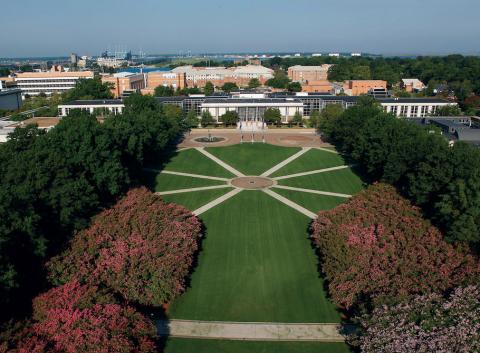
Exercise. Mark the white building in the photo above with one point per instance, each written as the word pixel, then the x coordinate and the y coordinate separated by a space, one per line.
pixel 34 83
pixel 99 106
pixel 413 107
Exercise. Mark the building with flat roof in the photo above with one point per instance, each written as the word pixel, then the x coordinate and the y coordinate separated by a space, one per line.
pixel 359 87
pixel 10 99
pixel 125 83
pixel 304 74
pixel 34 83
pixel 98 106
pixel 412 85
pixel 241 75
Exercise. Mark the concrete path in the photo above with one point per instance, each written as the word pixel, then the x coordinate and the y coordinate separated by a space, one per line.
pixel 327 150
pixel 312 172
pixel 310 191
pixel 285 162
pixel 217 201
pixel 220 162
pixel 181 191
pixel 292 204
pixel 252 331
pixel 199 176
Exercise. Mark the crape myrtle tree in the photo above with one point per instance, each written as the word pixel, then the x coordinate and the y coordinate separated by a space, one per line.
pixel 209 88
pixel 254 83
pixel 377 248
pixel 206 119
pixel 427 323
pixel 229 86
pixel 141 248
pixel 78 318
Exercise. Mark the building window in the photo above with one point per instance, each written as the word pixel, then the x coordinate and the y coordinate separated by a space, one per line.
pixel 414 111
pixel 394 109
pixel 403 110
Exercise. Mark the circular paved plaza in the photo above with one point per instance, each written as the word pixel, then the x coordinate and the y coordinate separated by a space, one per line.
pixel 252 182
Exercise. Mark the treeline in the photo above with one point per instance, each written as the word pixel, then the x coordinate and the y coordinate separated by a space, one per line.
pixel 52 183
pixel 460 74
pixel 444 181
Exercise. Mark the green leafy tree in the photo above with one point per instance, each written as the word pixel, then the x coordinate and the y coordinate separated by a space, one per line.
pixel 280 80
pixel 209 89
pixel 449 110
pixel 294 87
pixel 206 119
pixel 297 119
pixel 192 119
pixel 327 119
pixel 254 83
pixel 90 89
pixel 272 116
pixel 229 118
pixel 229 86
pixel 164 91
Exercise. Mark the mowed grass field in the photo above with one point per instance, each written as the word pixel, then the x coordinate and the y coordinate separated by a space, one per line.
pixel 216 346
pixel 257 262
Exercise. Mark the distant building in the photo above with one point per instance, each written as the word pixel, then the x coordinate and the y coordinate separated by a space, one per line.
pixel 412 85
pixel 359 87
pixel 318 86
pixel 316 55
pixel 334 55
pixel 10 99
pixel 125 83
pixel 356 54
pixel 303 74
pixel 218 76
pixel 166 79
pixel 111 62
pixel 414 107
pixel 74 59
pixel 34 83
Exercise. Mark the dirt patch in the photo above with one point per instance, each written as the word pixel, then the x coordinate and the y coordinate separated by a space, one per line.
pixel 252 182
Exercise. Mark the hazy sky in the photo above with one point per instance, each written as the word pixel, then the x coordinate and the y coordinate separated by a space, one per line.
pixel 58 27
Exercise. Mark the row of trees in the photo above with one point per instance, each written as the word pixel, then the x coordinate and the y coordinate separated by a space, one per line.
pixel 392 271
pixel 52 183
pixel 137 252
pixel 443 180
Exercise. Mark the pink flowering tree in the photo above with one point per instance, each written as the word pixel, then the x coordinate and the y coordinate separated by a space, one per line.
pixel 428 323
pixel 141 248
pixel 78 318
pixel 378 247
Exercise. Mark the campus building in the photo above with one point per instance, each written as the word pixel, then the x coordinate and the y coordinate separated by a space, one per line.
pixel 34 83
pixel 412 85
pixel 305 74
pixel 359 87
pixel 125 83
pixel 241 75
pixel 97 106
pixel 10 99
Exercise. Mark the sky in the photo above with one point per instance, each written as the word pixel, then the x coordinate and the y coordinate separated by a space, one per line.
pixel 87 27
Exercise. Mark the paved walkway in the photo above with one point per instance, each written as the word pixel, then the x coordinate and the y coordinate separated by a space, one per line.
pixel 199 176
pixel 286 161
pixel 290 203
pixel 253 331
pixel 202 188
pixel 317 171
pixel 217 201
pixel 220 162
pixel 310 191
pixel 327 150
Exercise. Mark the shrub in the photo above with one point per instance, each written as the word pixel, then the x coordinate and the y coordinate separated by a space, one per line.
pixel 378 247
pixel 142 248
pixel 75 318
pixel 428 323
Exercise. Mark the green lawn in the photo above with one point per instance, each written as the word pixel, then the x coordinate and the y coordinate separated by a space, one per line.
pixel 178 345
pixel 166 182
pixel 343 181
pixel 192 161
pixel 194 200
pixel 311 202
pixel 253 158
pixel 312 160
pixel 257 262
pixel 256 265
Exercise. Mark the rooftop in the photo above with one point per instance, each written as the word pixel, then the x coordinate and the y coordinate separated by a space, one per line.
pixel 95 102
